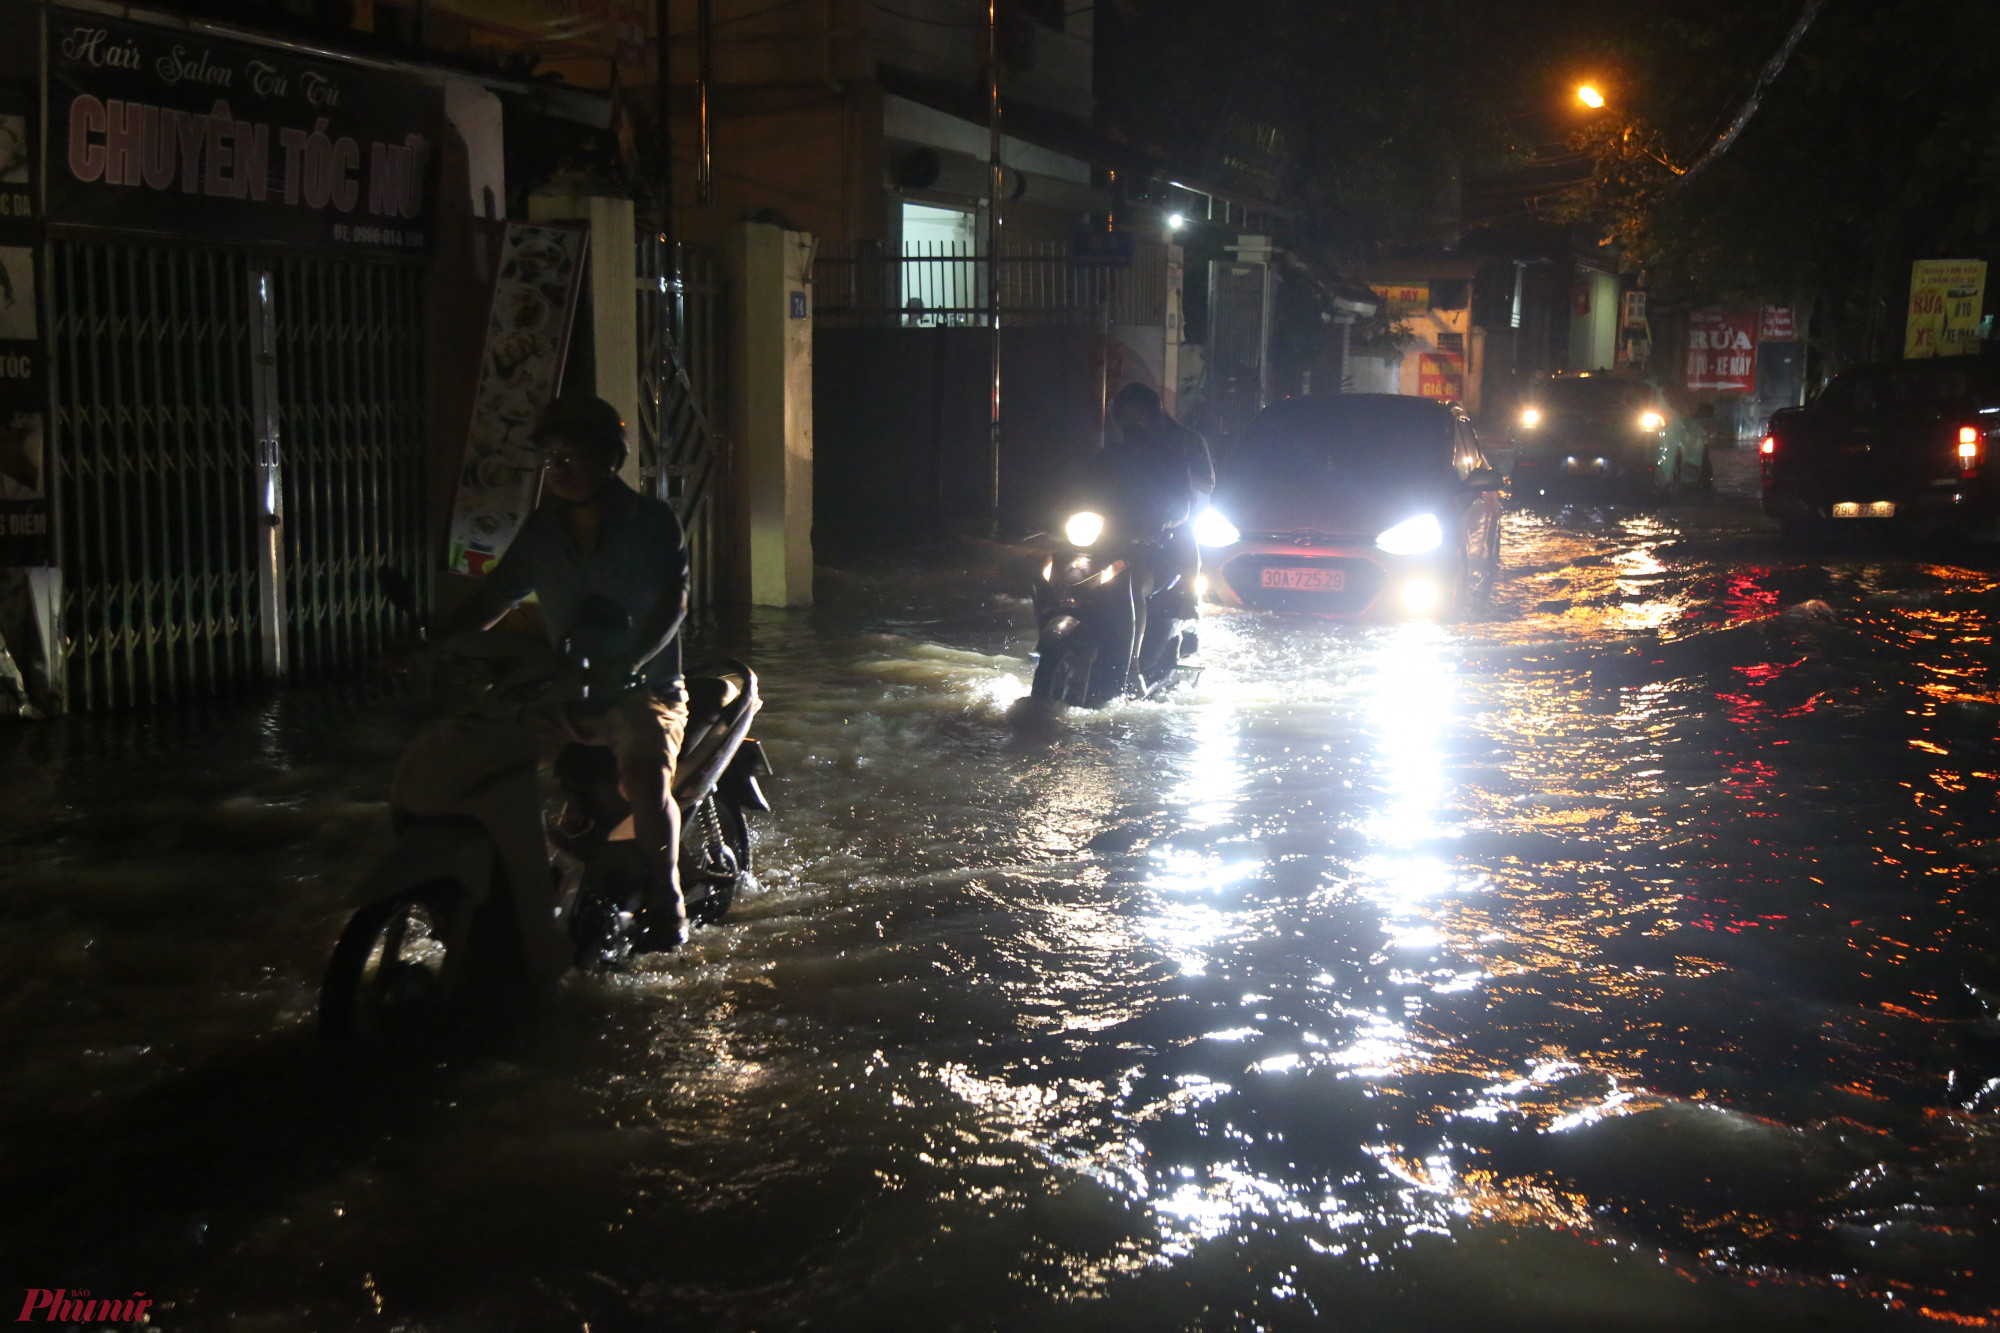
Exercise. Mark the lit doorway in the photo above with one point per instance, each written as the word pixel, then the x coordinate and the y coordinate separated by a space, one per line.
pixel 941 277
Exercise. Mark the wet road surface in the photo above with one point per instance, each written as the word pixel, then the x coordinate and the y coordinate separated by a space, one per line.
pixel 1625 957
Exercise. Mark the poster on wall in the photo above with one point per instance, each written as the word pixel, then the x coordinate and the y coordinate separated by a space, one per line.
pixel 1441 375
pixel 24 462
pixel 1721 351
pixel 527 338
pixel 175 132
pixel 1947 298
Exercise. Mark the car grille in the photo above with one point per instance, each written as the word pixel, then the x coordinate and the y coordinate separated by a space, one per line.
pixel 1246 572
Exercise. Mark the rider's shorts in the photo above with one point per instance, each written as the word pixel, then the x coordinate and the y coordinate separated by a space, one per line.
pixel 640 728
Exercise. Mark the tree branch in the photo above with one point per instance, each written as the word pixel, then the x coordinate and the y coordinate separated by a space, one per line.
pixel 1772 69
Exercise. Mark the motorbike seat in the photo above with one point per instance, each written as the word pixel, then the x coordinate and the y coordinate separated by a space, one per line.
pixel 708 696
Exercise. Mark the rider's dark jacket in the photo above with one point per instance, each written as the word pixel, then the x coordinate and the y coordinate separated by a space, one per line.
pixel 1164 469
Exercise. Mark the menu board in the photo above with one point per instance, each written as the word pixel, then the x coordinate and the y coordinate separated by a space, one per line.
pixel 527 338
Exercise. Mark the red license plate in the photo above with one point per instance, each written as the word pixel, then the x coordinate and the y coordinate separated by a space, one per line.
pixel 1306 580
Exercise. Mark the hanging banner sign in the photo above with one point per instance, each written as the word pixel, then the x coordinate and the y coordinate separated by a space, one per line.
pixel 173 132
pixel 24 488
pixel 1777 324
pixel 1404 298
pixel 527 339
pixel 1441 375
pixel 1947 297
pixel 1722 351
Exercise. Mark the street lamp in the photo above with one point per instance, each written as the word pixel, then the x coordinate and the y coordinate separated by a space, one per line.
pixel 1590 96
pixel 1175 221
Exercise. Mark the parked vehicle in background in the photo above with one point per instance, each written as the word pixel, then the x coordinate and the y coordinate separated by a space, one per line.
pixel 1356 505
pixel 1897 445
pixel 1607 438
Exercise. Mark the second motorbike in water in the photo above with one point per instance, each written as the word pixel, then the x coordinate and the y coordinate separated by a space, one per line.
pixel 1115 615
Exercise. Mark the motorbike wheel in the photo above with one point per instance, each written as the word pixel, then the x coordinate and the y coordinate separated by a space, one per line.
pixel 393 972
pixel 1063 678
pixel 715 856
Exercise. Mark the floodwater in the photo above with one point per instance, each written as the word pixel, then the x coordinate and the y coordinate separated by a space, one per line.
pixel 1623 958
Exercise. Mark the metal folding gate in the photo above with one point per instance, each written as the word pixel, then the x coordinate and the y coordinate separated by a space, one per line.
pixel 239 444
pixel 683 439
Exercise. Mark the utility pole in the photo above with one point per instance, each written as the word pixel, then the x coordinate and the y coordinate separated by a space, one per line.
pixel 663 103
pixel 704 37
pixel 994 187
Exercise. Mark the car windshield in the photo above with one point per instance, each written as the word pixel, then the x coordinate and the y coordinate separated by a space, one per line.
pixel 1906 386
pixel 1589 397
pixel 1379 439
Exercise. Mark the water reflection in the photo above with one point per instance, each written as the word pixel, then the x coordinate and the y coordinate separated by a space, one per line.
pixel 1569 967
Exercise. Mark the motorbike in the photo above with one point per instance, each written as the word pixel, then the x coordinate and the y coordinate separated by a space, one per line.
pixel 484 902
pixel 1086 610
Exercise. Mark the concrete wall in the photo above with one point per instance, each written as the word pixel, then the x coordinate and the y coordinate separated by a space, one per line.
pixel 1593 335
pixel 771 380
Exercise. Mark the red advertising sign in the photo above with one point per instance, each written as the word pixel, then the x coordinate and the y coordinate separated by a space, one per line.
pixel 1441 375
pixel 1722 351
pixel 1777 324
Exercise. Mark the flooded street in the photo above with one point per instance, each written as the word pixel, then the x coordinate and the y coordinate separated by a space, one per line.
pixel 1624 957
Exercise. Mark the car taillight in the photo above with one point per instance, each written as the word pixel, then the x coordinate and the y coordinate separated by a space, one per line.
pixel 1969 445
pixel 1769 446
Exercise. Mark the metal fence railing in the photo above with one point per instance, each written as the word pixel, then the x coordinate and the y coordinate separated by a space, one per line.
pixel 683 405
pixel 942 284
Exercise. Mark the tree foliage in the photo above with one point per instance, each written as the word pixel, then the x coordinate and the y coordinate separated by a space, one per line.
pixel 1877 145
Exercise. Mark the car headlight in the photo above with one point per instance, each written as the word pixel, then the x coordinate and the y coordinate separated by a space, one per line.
pixel 1652 421
pixel 1531 418
pixel 1084 528
pixel 1413 536
pixel 1212 529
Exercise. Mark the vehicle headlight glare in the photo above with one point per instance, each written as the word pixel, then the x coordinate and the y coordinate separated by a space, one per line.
pixel 1212 529
pixel 1531 418
pixel 1652 421
pixel 1084 528
pixel 1413 536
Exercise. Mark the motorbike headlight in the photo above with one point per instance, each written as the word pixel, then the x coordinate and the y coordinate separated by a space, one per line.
pixel 1531 418
pixel 1212 529
pixel 1652 421
pixel 1084 528
pixel 1413 536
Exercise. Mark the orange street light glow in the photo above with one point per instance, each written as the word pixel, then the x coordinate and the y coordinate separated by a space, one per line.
pixel 1589 96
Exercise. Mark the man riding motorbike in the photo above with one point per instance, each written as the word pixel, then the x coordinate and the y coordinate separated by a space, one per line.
pixel 594 544
pixel 1166 469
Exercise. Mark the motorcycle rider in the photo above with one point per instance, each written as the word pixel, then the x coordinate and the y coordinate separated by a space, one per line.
pixel 594 541
pixel 1167 469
